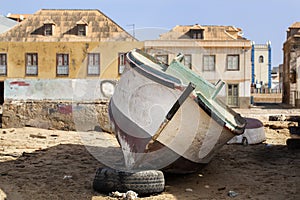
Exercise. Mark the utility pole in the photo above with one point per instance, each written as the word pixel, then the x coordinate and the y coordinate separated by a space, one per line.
pixel 133 29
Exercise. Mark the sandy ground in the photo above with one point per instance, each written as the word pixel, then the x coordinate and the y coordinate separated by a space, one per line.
pixel 50 164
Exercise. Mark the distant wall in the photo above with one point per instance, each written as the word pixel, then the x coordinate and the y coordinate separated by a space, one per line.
pixel 65 104
pixel 267 98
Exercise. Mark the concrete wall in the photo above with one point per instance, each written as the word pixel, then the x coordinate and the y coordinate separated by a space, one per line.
pixel 267 98
pixel 54 89
pixel 53 104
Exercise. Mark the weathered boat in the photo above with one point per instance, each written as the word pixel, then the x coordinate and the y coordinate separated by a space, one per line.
pixel 168 117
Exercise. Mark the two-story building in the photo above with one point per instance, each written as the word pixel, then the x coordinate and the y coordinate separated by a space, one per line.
pixel 64 44
pixel 214 52
pixel 291 66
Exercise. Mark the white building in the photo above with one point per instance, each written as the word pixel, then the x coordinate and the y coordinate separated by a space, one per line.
pixel 214 52
pixel 261 65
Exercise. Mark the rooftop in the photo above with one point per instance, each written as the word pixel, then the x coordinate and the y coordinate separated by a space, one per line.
pixel 210 32
pixel 99 27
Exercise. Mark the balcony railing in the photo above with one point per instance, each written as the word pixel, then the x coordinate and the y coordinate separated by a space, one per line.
pixel 63 70
pixel 93 70
pixel 3 70
pixel 31 70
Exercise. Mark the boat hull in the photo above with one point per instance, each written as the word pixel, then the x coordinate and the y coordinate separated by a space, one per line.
pixel 137 110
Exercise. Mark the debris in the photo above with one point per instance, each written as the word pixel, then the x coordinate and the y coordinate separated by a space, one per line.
pixel 117 195
pixel 207 186
pixel 232 193
pixel 37 136
pixel 12 130
pixel 14 155
pixel 189 190
pixel 129 195
pixel 2 195
pixel 67 177
pixel 54 135
pixel 275 127
pixel 200 175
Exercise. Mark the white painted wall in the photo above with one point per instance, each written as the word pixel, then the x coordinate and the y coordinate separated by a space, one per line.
pixel 261 70
pixel 54 89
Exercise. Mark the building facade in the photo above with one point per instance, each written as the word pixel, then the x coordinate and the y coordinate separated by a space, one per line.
pixel 261 65
pixel 276 79
pixel 64 44
pixel 291 66
pixel 214 52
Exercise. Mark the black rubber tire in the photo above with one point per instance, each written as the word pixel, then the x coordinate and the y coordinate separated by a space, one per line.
pixel 106 180
pixel 143 182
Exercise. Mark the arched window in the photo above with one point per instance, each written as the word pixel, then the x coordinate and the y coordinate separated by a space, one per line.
pixel 261 59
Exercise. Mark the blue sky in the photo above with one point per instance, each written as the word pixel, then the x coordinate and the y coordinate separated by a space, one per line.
pixel 261 20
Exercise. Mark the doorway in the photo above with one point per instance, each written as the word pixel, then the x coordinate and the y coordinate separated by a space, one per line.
pixel 233 95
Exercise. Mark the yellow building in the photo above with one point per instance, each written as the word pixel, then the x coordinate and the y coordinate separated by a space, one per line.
pixel 64 44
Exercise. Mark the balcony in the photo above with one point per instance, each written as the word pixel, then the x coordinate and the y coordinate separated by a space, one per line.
pixel 93 70
pixel 3 69
pixel 31 70
pixel 62 70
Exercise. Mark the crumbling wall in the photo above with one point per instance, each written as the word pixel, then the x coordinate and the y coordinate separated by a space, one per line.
pixel 79 116
pixel 64 104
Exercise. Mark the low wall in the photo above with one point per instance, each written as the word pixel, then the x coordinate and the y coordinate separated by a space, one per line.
pixel 80 116
pixel 267 98
pixel 67 104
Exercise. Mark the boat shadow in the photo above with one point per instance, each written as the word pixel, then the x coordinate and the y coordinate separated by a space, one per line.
pixel 254 171
pixel 66 171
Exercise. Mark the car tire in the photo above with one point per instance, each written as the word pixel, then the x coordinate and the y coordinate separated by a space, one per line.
pixel 143 182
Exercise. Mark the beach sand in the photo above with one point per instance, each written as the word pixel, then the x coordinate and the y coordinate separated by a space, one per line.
pixel 50 164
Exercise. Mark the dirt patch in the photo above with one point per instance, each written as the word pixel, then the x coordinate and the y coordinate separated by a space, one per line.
pixel 50 164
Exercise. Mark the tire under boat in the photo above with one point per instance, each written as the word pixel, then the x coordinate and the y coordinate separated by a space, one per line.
pixel 147 94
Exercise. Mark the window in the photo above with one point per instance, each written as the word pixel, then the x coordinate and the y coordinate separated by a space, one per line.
pixel 31 63
pixel 209 62
pixel 233 94
pixel 196 34
pixel 232 62
pixel 3 64
pixel 93 64
pixel 121 62
pixel 48 29
pixel 188 61
pixel 81 29
pixel 62 68
pixel 162 58
pixel 261 59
